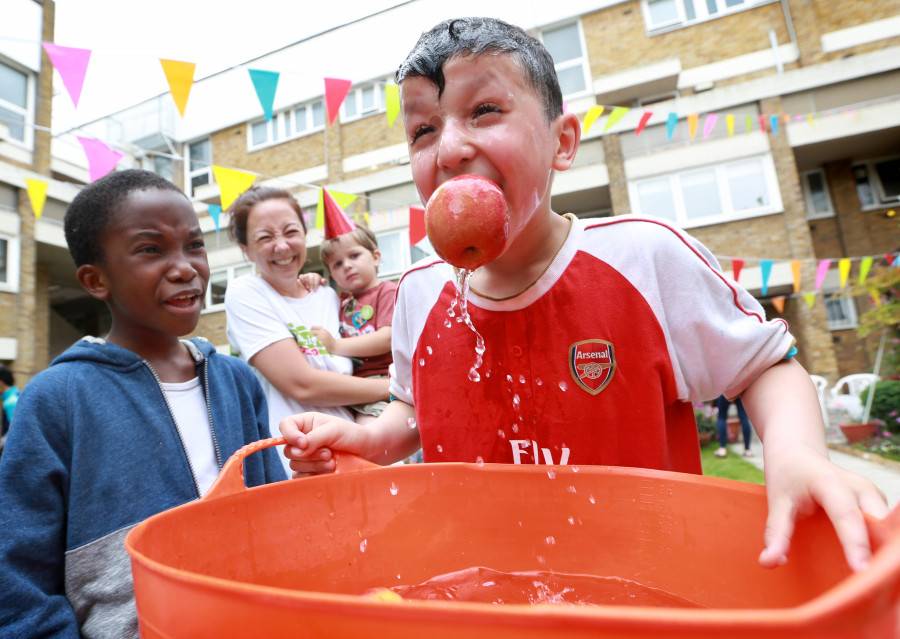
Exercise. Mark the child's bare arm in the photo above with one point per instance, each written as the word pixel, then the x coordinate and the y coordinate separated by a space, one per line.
pixel 370 345
pixel 784 409
pixel 311 437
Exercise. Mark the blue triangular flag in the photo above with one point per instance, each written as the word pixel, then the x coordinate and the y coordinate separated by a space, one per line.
pixel 765 266
pixel 265 83
pixel 773 124
pixel 215 211
pixel 671 123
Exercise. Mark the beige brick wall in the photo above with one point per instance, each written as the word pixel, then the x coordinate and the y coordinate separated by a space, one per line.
pixel 755 237
pixel 229 148
pixel 849 13
pixel 864 232
pixel 212 327
pixel 616 38
pixel 8 315
pixel 370 133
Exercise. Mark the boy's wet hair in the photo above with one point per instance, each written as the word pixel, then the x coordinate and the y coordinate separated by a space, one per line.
pixel 240 209
pixel 361 235
pixel 92 210
pixel 478 36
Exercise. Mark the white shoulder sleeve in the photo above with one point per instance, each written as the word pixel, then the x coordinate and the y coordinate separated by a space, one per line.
pixel 252 321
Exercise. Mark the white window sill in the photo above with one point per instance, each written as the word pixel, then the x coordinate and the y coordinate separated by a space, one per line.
pixel 819 216
pixel 731 217
pixel 362 116
pixel 847 326
pixel 675 26
pixel 268 145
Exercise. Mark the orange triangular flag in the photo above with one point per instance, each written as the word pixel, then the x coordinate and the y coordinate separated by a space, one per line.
pixel 778 303
pixel 692 119
pixel 180 76
pixel 795 269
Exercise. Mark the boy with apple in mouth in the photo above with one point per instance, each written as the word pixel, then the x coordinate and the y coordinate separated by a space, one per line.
pixel 599 333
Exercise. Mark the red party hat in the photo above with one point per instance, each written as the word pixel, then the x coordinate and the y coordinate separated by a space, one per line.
pixel 336 221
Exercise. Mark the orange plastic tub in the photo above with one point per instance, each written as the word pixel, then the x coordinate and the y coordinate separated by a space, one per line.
pixel 291 559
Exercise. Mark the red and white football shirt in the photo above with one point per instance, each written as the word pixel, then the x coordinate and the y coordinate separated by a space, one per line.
pixel 596 363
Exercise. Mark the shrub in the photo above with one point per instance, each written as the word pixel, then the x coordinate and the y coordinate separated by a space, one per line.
pixel 886 403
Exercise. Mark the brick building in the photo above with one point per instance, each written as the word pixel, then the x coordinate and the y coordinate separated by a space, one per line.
pixel 812 188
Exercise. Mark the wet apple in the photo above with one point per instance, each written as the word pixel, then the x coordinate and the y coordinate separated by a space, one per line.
pixel 467 221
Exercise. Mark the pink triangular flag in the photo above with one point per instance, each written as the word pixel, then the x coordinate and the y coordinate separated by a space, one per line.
pixel 709 124
pixel 336 221
pixel 416 225
pixel 72 64
pixel 736 266
pixel 335 92
pixel 821 272
pixel 101 159
pixel 643 123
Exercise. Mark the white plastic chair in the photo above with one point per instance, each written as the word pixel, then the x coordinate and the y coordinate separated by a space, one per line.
pixel 821 384
pixel 855 384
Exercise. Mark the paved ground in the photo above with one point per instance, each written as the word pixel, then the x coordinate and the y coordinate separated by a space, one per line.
pixel 887 478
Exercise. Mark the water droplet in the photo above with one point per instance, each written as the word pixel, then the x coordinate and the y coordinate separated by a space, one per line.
pixel 398 577
pixel 516 401
pixel 439 448
pixel 421 361
pixel 428 350
pixel 501 433
pixel 521 379
pixel 488 374
pixel 541 559
pixel 520 523
pixel 571 489
pixel 551 474
pixel 592 499
pixel 571 520
pixel 411 422
pixel 488 584
pixel 479 460
pixel 448 323
pixel 473 375
pixel 563 386
pixel 575 469
pixel 363 544
pixel 394 490
pixel 539 381
pixel 550 540
pixel 331 515
pixel 439 336
pixel 509 379
pixel 515 428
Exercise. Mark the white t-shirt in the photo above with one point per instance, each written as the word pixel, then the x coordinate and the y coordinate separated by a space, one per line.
pixel 258 316
pixel 189 409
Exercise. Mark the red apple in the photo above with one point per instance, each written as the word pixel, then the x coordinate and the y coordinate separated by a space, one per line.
pixel 467 221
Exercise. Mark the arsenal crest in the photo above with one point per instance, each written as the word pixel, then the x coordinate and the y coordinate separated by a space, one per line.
pixel 592 363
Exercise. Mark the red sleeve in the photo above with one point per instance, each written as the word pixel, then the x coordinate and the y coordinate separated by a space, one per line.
pixel 384 307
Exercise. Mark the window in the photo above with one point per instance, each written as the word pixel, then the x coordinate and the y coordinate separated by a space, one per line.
pixel 9 264
pixel 199 164
pixel 421 250
pixel 4 257
pixel 218 284
pixel 293 123
pixel 711 194
pixel 667 14
pixel 567 48
pixel 878 182
pixel 818 201
pixel 394 247
pixel 840 311
pixel 363 100
pixel 13 102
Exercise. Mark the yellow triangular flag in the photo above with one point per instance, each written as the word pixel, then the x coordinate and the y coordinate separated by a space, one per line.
pixel 232 183
pixel 778 303
pixel 864 268
pixel 693 118
pixel 729 123
pixel 367 218
pixel 844 270
pixel 392 102
pixel 591 116
pixel 810 299
pixel 180 76
pixel 617 114
pixel 875 296
pixel 810 120
pixel 795 269
pixel 343 200
pixel 37 195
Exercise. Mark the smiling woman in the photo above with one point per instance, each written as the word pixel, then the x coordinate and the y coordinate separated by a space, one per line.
pixel 270 315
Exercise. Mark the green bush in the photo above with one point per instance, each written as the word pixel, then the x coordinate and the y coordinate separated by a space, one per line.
pixel 886 403
pixel 705 423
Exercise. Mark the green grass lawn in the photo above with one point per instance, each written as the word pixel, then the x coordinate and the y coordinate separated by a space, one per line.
pixel 731 467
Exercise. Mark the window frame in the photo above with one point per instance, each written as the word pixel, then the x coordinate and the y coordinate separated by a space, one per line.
pixel 284 123
pixel 11 284
pixel 208 306
pixel 701 11
pixel 190 173
pixel 583 60
pixel 849 310
pixel 405 259
pixel 356 93
pixel 726 199
pixel 28 111
pixel 811 213
pixel 875 184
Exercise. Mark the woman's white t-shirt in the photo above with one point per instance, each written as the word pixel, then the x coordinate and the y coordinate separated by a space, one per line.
pixel 258 316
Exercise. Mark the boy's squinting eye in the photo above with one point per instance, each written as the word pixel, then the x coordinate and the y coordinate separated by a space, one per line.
pixel 198 244
pixel 421 130
pixel 485 108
